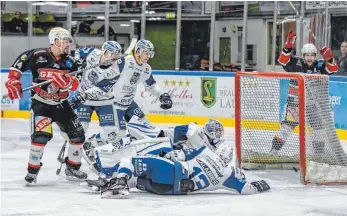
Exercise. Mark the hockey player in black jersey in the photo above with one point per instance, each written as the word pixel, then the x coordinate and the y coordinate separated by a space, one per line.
pixel 49 102
pixel 309 64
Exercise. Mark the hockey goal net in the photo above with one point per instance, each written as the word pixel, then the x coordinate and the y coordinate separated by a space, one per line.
pixel 284 120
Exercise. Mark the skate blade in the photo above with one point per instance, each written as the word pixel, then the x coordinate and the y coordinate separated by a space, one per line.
pixel 74 179
pixel 28 184
pixel 92 188
pixel 110 195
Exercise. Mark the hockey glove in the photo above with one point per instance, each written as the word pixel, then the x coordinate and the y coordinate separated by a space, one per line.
pixel 65 81
pixel 290 40
pixel 261 186
pixel 165 100
pixel 81 64
pixel 326 53
pixel 14 88
pixel 77 100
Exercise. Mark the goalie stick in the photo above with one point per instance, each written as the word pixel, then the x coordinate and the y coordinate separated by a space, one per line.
pixel 127 52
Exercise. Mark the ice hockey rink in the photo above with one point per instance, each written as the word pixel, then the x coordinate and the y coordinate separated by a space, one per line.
pixel 53 195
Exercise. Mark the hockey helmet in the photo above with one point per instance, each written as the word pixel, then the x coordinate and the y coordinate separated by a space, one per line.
pixel 145 46
pixel 59 33
pixel 308 48
pixel 111 47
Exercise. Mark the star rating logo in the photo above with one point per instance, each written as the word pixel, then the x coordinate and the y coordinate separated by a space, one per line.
pixel 180 83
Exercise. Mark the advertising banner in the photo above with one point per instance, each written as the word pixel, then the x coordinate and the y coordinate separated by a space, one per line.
pixel 208 96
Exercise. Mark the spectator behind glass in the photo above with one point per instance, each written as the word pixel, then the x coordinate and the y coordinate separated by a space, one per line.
pixel 17 23
pixel 101 31
pixel 85 26
pixel 342 60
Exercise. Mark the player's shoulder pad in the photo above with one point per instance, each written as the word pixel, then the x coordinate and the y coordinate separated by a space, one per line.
pixel 27 54
pixel 85 51
pixel 39 52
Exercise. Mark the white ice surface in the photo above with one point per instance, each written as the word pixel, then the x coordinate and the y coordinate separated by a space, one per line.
pixel 53 195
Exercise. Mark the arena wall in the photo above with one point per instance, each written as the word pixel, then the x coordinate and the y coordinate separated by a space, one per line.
pixel 196 97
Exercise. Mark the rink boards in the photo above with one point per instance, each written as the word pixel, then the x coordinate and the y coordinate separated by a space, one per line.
pixel 196 97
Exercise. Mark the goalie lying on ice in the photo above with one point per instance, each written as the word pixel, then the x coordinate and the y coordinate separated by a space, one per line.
pixel 199 169
pixel 205 167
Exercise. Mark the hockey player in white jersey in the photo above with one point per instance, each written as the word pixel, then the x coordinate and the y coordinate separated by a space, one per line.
pixel 133 70
pixel 101 104
pixel 183 171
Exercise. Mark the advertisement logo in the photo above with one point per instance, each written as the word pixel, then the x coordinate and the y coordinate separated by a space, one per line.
pixel 208 91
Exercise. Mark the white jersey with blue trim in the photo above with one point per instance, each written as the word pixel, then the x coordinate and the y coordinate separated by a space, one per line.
pixel 123 83
pixel 94 76
pixel 206 169
pixel 131 75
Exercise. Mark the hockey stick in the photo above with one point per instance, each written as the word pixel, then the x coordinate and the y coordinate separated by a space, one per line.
pixel 303 21
pixel 60 157
pixel 127 52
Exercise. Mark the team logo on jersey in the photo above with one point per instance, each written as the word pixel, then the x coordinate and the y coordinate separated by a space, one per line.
pixel 93 77
pixel 51 89
pixel 134 78
pixel 208 91
pixel 41 60
pixel 23 57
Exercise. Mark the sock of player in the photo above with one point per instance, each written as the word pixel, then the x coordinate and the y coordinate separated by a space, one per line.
pixel 74 153
pixel 35 155
pixel 126 168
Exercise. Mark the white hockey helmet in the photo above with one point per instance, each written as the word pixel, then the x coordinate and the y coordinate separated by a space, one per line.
pixel 59 33
pixel 111 47
pixel 309 48
pixel 145 46
pixel 214 130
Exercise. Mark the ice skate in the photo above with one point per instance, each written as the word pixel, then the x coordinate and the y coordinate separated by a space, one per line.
pixel 73 173
pixel 95 185
pixel 118 187
pixel 31 177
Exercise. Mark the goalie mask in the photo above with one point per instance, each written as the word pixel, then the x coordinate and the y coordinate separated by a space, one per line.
pixel 214 131
pixel 111 50
pixel 309 53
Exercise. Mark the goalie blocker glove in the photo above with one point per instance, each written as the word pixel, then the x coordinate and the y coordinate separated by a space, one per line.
pixel 165 100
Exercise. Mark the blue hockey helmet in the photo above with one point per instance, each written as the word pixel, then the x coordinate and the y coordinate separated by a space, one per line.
pixel 145 46
pixel 112 47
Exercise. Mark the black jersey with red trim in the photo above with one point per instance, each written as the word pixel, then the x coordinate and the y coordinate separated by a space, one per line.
pixel 293 63
pixel 43 64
